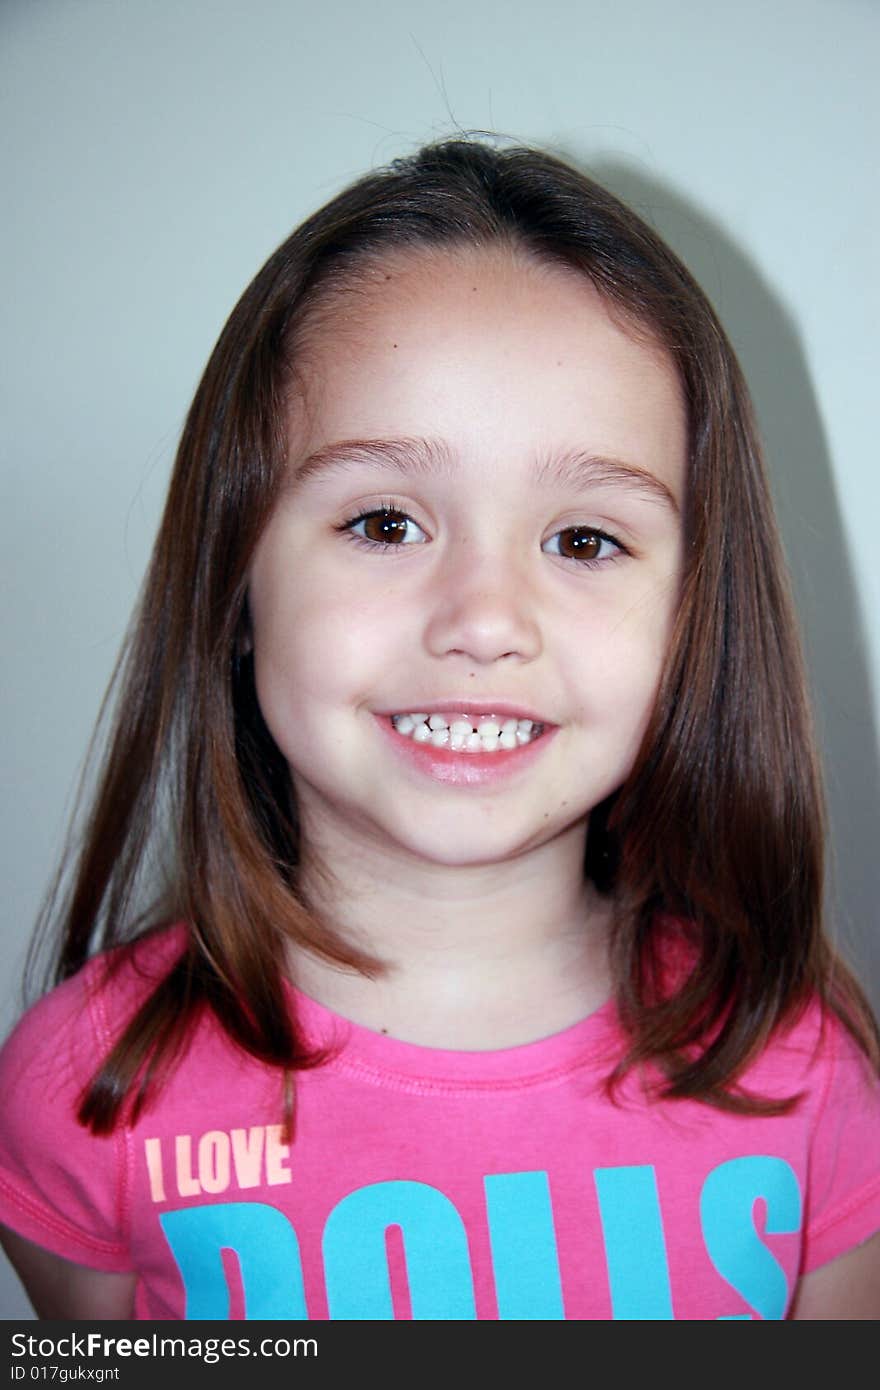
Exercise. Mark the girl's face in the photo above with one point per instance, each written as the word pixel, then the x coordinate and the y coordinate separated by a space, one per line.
pixel 482 518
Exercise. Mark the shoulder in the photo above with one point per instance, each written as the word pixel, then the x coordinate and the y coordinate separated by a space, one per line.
pixel 816 1062
pixel 63 1029
pixel 816 1053
pixel 55 1048
pixel 811 1053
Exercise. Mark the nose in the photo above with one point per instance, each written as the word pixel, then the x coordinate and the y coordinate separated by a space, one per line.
pixel 482 607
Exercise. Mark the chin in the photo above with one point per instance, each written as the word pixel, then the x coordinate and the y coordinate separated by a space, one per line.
pixel 459 849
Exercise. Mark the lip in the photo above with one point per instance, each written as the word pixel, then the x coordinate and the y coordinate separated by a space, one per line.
pixel 503 708
pixel 479 770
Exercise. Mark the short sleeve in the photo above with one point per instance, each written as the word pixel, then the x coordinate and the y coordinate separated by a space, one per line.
pixel 60 1186
pixel 843 1189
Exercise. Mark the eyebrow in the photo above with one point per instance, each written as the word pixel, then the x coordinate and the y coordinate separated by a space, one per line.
pixel 575 468
pixel 412 457
pixel 433 458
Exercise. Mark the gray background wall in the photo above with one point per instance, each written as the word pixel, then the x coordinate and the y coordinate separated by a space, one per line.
pixel 153 154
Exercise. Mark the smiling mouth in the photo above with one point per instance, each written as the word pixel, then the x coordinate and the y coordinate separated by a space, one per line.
pixel 466 733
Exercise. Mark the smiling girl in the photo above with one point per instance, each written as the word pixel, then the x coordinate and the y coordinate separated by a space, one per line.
pixel 462 741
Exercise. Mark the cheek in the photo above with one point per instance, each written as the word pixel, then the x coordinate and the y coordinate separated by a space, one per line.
pixel 617 659
pixel 316 646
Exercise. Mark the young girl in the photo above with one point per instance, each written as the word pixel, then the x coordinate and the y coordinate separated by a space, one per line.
pixel 462 743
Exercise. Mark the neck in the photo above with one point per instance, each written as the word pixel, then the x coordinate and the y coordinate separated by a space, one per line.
pixel 474 957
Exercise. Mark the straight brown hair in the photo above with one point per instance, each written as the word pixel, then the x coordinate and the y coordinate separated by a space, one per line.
pixel 720 825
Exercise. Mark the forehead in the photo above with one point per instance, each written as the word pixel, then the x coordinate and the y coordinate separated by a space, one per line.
pixel 488 349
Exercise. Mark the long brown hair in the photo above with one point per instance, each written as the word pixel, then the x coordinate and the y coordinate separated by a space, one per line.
pixel 720 824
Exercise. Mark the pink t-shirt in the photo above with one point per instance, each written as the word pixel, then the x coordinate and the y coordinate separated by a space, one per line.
pixel 431 1184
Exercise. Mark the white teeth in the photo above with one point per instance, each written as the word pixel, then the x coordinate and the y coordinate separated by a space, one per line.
pixel 484 734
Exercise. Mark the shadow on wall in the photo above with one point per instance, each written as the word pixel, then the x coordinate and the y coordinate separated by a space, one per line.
pixel 767 343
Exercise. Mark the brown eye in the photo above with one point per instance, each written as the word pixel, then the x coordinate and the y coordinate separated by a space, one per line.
pixel 582 543
pixel 386 527
pixel 578 544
